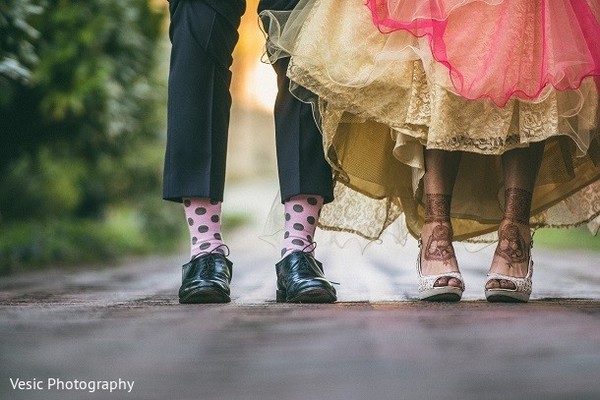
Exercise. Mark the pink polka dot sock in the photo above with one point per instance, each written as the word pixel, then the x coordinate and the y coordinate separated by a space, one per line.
pixel 301 218
pixel 204 222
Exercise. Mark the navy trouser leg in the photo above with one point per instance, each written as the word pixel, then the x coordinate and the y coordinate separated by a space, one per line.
pixel 199 108
pixel 199 101
pixel 300 159
pixel 301 163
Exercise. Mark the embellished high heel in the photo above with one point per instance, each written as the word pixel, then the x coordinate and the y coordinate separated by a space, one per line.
pixel 521 292
pixel 429 292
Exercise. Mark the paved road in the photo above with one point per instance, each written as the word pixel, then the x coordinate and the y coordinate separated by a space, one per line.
pixel 123 322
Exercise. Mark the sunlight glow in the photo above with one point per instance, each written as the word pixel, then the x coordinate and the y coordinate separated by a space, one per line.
pixel 261 86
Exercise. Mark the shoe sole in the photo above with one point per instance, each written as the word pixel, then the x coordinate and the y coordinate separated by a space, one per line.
pixel 445 297
pixel 204 296
pixel 310 296
pixel 504 297
pixel 443 293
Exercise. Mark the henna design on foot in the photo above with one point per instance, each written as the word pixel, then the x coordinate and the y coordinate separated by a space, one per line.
pixel 439 245
pixel 511 245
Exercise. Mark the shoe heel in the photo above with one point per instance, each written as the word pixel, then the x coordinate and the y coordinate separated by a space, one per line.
pixel 280 296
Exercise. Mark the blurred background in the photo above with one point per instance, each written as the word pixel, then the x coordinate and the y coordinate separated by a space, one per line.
pixel 82 124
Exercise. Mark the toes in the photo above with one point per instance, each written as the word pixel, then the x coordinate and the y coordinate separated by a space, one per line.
pixel 454 282
pixel 505 284
pixel 492 284
pixel 447 281
pixel 440 282
pixel 500 284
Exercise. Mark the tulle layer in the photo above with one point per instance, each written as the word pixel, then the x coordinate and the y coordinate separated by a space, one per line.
pixel 380 99
pixel 501 49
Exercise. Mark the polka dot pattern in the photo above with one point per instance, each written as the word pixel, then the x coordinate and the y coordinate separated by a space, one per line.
pixel 301 217
pixel 204 220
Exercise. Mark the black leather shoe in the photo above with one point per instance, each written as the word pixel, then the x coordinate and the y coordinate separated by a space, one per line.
pixel 206 279
pixel 300 279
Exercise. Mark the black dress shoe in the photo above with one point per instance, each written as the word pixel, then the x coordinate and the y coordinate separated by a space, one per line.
pixel 206 279
pixel 300 279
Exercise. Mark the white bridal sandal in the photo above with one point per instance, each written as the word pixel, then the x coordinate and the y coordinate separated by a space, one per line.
pixel 429 292
pixel 522 290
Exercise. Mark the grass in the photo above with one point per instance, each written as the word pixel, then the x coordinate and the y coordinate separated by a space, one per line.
pixel 576 238
pixel 125 231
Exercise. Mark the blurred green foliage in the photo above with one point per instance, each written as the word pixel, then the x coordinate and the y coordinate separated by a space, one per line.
pixel 17 53
pixel 81 118
pixel 579 238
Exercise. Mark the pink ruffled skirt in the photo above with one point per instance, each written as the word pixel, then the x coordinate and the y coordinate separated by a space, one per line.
pixel 501 49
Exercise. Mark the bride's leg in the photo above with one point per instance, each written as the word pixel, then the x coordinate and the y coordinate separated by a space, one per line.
pixel 520 169
pixel 437 253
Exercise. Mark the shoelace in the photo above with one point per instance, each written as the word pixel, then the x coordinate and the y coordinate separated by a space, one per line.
pixel 215 251
pixel 312 246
